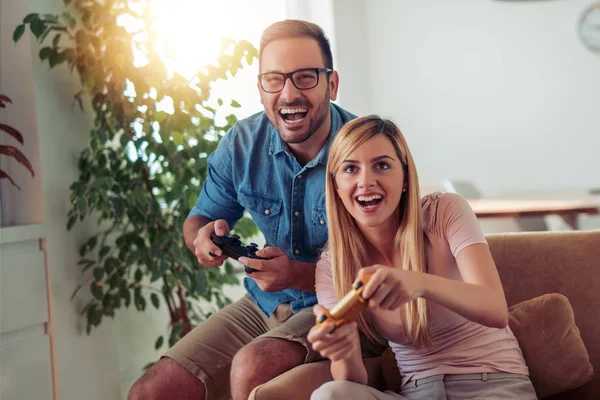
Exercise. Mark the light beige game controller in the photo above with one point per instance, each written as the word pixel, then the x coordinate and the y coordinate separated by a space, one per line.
pixel 348 307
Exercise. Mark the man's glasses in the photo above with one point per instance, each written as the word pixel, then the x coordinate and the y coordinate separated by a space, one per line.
pixel 303 79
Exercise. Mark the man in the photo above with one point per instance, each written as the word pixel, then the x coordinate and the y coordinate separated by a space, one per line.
pixel 271 164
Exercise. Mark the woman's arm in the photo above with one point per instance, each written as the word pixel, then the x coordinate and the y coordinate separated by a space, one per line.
pixel 479 297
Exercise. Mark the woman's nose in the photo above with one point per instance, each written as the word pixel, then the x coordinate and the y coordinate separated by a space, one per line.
pixel 366 179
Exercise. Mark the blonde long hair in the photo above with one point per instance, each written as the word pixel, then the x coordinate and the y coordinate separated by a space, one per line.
pixel 347 245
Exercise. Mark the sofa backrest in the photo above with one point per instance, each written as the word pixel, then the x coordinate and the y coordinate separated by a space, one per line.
pixel 532 264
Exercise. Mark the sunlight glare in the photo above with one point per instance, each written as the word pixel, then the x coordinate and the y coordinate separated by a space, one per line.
pixel 189 32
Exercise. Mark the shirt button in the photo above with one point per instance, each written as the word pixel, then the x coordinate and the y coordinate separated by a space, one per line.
pixel 297 213
pixel 300 176
pixel 322 222
pixel 297 252
pixel 267 211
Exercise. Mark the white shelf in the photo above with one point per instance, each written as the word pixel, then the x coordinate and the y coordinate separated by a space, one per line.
pixel 21 233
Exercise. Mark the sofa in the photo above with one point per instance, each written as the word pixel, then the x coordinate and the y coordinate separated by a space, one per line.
pixel 530 265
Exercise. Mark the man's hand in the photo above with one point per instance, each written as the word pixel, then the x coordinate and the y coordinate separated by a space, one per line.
pixel 206 251
pixel 276 273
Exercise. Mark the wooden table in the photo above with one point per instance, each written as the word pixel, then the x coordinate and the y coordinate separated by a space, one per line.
pixel 515 208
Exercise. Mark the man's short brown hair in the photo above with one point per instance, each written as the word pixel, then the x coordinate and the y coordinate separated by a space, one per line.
pixel 294 28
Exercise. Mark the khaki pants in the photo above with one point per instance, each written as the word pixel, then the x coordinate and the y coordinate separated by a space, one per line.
pixel 484 386
pixel 207 351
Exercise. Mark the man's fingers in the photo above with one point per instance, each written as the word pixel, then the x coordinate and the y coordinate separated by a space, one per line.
pixel 221 228
pixel 252 263
pixel 270 252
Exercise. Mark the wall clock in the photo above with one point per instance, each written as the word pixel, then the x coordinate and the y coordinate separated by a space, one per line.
pixel 589 27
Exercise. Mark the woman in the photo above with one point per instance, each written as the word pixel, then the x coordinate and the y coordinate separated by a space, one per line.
pixel 434 295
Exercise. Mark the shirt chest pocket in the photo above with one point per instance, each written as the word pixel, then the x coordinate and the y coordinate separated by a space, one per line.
pixel 319 228
pixel 265 211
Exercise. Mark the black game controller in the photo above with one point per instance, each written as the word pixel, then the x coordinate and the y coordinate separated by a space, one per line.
pixel 233 247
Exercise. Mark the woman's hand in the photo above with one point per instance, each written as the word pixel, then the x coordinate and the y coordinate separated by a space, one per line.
pixel 389 288
pixel 343 343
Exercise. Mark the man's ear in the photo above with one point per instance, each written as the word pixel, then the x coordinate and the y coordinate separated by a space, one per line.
pixel 334 82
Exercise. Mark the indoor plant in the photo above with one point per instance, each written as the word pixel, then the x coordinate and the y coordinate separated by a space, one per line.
pixel 145 163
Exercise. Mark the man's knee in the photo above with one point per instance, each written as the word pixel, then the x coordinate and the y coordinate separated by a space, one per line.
pixel 266 357
pixel 335 390
pixel 167 379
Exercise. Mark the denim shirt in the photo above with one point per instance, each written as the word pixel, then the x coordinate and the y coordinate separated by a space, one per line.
pixel 253 169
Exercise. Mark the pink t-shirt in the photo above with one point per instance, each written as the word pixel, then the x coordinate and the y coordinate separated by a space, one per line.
pixel 458 345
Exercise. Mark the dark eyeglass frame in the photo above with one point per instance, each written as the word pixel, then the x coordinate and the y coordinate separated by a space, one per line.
pixel 290 76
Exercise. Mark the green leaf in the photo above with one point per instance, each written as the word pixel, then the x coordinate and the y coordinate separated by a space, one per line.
pixel 118 206
pixel 19 30
pixel 75 292
pixel 103 251
pixel 138 275
pixel 159 342
pixel 155 300
pixel 37 27
pixel 235 104
pixel 98 273
pixel 45 53
pixel 81 204
pixel 111 264
pixel 200 281
pixel 220 102
pixel 96 290
pixel 71 222
pixel 30 17
pixel 56 40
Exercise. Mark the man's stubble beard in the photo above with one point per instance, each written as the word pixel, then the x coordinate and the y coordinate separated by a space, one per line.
pixel 321 117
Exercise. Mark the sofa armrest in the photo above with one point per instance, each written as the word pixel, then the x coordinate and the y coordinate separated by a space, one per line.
pixel 299 383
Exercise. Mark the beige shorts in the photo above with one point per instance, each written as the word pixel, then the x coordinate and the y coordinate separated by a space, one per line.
pixel 207 351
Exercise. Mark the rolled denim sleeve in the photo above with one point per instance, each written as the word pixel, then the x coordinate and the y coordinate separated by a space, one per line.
pixel 218 198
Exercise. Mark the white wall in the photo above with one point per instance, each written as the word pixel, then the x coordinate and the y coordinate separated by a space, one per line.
pixel 86 366
pixel 502 93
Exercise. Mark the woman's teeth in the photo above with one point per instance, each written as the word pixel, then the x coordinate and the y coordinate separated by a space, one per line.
pixel 369 201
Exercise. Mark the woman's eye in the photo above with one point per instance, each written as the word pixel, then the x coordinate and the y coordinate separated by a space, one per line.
pixel 382 165
pixel 350 169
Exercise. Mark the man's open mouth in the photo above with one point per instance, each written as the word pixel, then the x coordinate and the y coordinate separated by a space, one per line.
pixel 293 115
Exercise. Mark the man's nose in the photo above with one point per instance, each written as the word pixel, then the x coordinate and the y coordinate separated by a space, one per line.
pixel 289 91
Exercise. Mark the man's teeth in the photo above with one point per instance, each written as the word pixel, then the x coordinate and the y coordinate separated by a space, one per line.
pixel 369 198
pixel 293 110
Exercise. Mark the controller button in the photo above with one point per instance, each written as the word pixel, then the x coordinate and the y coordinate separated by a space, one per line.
pixel 267 211
pixel 358 285
pixel 322 318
